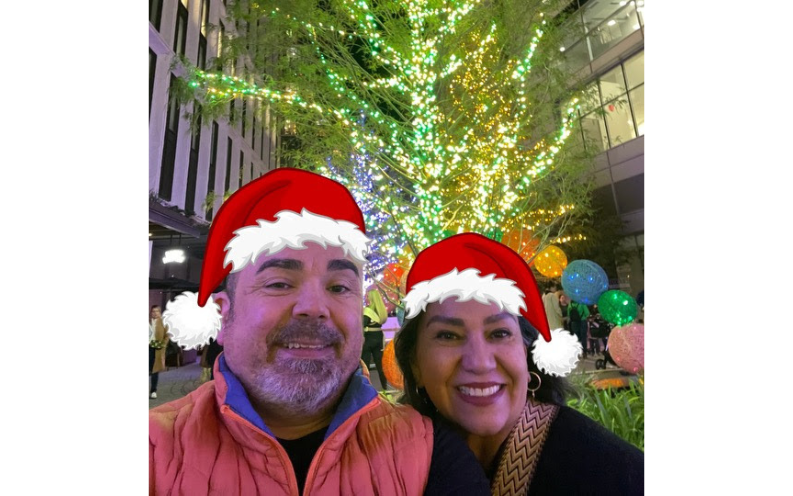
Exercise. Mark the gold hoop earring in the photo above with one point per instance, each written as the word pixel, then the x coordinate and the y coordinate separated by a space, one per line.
pixel 539 383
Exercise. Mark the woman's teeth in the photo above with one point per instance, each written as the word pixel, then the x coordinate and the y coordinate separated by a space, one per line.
pixel 468 391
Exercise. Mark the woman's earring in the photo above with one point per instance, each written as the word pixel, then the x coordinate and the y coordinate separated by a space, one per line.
pixel 539 383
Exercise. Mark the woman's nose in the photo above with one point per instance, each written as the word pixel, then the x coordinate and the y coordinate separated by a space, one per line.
pixel 478 356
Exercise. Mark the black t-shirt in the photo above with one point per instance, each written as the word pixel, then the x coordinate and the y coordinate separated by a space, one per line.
pixel 582 457
pixel 454 469
pixel 301 451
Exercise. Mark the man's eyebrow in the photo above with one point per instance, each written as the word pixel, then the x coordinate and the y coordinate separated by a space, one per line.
pixel 446 320
pixel 497 317
pixel 342 264
pixel 281 263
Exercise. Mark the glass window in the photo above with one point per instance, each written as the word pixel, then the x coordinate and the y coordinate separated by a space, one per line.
pixel 577 56
pixel 241 169
pixel 637 102
pixel 612 84
pixel 213 157
pixel 640 11
pixel 204 16
pixel 590 99
pixel 155 13
pixel 619 122
pixel 228 164
pixel 613 30
pixel 152 70
pixel 634 70
pixel 630 193
pixel 595 132
pixel 202 52
pixel 180 36
pixel 597 11
pixel 603 200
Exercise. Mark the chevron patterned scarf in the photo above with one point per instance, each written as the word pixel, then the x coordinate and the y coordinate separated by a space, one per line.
pixel 523 448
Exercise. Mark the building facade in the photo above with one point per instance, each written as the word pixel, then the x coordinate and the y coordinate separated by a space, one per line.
pixel 192 169
pixel 608 52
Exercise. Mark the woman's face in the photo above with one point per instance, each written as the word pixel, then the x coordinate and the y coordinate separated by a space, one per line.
pixel 471 359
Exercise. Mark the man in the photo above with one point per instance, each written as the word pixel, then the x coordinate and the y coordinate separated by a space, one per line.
pixel 158 340
pixel 289 411
pixel 553 310
pixel 579 325
pixel 374 316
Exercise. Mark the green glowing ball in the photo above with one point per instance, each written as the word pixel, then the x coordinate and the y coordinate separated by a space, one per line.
pixel 617 307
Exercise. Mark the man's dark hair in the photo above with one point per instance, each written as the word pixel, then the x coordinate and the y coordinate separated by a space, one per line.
pixel 552 390
pixel 551 287
pixel 230 286
pixel 155 306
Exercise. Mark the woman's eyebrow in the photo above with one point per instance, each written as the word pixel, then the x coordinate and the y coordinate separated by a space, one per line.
pixel 446 320
pixel 497 317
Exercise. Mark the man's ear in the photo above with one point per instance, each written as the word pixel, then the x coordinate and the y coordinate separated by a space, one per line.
pixel 223 301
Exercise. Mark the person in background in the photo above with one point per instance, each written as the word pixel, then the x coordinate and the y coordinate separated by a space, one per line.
pixel 158 342
pixel 599 329
pixel 212 351
pixel 374 316
pixel 579 326
pixel 564 304
pixel 553 311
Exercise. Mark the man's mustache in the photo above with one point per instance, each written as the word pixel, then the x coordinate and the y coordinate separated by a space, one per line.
pixel 310 330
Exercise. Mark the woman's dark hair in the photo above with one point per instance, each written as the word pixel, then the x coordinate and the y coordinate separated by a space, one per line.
pixel 552 390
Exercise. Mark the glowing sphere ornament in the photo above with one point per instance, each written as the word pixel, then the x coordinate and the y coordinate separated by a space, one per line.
pixel 522 242
pixel 390 368
pixel 584 281
pixel 617 307
pixel 393 273
pixel 626 346
pixel 550 262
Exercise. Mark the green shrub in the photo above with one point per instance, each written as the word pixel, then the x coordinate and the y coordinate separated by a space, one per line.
pixel 619 410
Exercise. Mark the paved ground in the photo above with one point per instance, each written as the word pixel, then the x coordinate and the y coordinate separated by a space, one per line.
pixel 179 381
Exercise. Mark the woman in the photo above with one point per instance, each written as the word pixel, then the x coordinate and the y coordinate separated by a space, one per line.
pixel 476 351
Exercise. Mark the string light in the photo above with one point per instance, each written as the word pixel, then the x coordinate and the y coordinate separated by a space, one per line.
pixel 457 135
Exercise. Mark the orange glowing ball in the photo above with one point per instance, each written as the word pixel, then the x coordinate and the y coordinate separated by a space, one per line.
pixel 550 262
pixel 393 273
pixel 521 241
pixel 390 368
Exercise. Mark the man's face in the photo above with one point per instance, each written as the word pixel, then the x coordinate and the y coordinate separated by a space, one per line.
pixel 156 313
pixel 295 334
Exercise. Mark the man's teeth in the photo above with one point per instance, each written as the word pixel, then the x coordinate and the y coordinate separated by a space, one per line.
pixel 479 391
pixel 309 346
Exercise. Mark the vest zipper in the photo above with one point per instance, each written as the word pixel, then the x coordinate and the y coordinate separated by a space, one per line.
pixel 313 467
pixel 290 473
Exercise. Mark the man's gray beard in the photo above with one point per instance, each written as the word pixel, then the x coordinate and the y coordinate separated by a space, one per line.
pixel 299 387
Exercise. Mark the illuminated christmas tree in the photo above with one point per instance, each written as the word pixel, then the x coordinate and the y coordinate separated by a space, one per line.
pixel 442 116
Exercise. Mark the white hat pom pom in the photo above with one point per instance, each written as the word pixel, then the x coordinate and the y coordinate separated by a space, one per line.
pixel 560 355
pixel 189 324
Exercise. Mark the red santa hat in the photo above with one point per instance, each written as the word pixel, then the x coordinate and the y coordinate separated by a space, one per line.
pixel 472 267
pixel 284 208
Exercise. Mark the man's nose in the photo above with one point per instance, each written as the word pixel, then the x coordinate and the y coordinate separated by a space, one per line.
pixel 478 356
pixel 312 301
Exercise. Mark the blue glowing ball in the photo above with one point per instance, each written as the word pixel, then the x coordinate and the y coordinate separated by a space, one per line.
pixel 584 281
